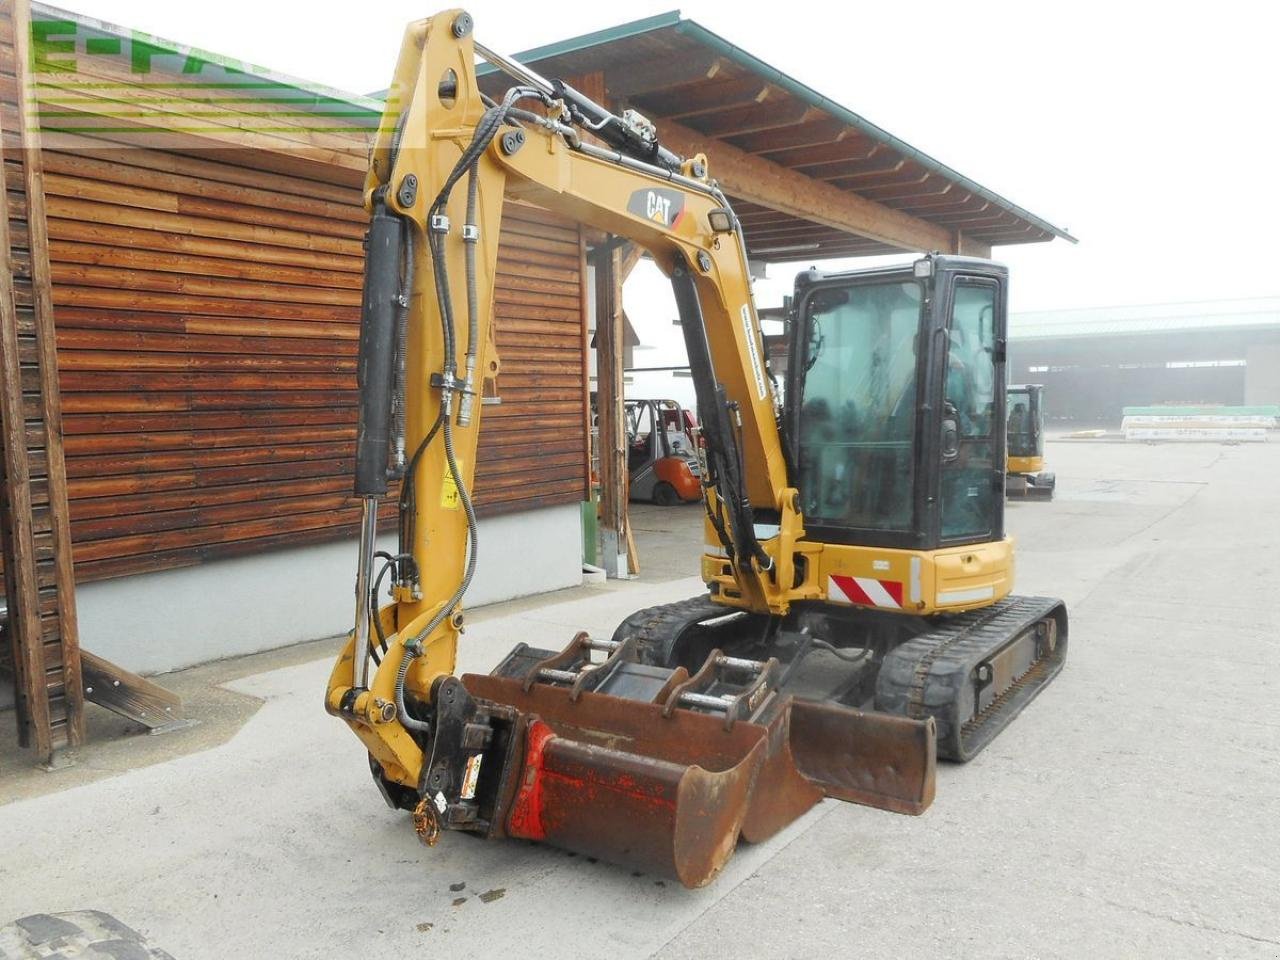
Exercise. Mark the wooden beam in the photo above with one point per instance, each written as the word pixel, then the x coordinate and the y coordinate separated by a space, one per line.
pixel 740 121
pixel 588 427
pixel 848 149
pixel 631 255
pixel 130 695
pixel 21 587
pixel 808 135
pixel 972 247
pixel 47 345
pixel 768 184
pixel 660 73
pixel 918 185
pixel 711 97
pixel 610 414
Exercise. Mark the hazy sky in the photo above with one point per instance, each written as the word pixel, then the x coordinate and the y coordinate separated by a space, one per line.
pixel 1149 130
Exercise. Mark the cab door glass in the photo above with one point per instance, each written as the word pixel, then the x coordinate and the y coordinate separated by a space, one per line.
pixel 969 492
pixel 857 405
pixel 1022 424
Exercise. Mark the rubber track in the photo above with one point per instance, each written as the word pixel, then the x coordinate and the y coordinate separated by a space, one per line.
pixel 931 675
pixel 658 629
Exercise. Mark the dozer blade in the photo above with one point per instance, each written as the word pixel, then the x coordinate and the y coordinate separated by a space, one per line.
pixel 1035 486
pixel 670 790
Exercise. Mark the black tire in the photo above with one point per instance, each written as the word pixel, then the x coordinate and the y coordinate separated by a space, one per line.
pixel 664 495
pixel 84 934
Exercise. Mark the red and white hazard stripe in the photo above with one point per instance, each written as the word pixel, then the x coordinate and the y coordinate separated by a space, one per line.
pixel 865 591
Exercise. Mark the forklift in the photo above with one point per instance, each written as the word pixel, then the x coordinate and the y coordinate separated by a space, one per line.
pixel 662 456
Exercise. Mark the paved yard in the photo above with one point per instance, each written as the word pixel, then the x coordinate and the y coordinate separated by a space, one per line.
pixel 1132 811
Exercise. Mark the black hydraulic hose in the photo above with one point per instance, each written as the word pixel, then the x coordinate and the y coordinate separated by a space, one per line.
pixel 486 131
pixel 445 300
pixel 409 497
pixel 388 561
pixel 837 652
pixel 412 723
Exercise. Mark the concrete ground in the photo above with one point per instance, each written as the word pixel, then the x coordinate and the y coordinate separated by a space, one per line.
pixel 1132 811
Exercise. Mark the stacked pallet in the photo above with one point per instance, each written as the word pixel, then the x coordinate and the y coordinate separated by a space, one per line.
pixel 1218 424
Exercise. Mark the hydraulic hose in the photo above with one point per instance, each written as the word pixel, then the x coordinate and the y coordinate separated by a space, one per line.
pixel 410 655
pixel 486 130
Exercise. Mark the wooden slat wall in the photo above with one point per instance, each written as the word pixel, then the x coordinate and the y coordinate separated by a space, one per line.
pixel 207 335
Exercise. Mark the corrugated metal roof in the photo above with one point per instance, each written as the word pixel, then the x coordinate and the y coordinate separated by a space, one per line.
pixel 1208 315
pixel 671 68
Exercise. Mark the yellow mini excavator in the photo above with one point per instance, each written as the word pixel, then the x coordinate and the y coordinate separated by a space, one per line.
pixel 1025 475
pixel 858 621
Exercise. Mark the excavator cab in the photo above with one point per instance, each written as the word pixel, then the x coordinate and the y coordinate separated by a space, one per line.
pixel 894 403
pixel 1026 476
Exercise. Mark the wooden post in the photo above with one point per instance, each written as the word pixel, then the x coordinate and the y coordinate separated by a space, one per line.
pixel 614 486
pixel 51 394
pixel 22 591
pixel 36 541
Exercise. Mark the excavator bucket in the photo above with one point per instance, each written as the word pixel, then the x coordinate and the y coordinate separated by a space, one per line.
pixel 612 778
pixel 823 749
pixel 651 781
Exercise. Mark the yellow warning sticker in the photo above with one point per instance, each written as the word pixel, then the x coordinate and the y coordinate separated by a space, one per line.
pixel 449 498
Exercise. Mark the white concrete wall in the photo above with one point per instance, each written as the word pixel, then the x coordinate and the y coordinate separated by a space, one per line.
pixel 155 622
pixel 1262 375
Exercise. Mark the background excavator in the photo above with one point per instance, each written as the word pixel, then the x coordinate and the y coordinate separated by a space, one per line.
pixel 858 620
pixel 1025 475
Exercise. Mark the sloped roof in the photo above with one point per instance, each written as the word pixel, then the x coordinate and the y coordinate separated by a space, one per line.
pixel 672 68
pixel 1153 318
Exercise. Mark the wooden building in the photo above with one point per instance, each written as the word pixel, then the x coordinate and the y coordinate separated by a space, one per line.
pixel 195 241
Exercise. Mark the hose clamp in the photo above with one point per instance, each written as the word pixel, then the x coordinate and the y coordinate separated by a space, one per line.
pixel 439 223
pixel 470 233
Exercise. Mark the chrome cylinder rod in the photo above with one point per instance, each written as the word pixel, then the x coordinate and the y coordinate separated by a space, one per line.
pixel 364 574
pixel 516 70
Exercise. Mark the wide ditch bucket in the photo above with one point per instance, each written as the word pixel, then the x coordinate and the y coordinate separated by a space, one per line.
pixel 669 791
pixel 822 749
